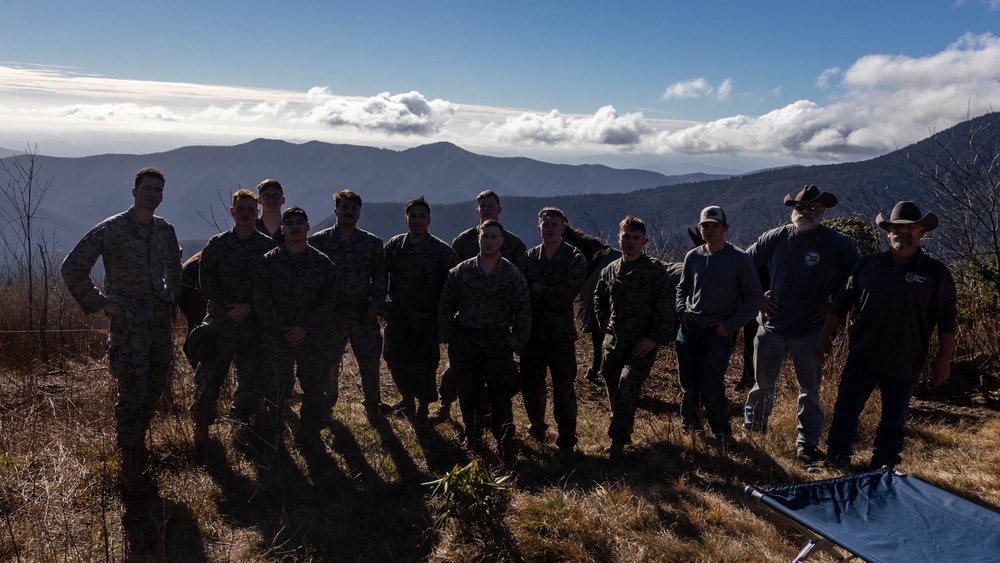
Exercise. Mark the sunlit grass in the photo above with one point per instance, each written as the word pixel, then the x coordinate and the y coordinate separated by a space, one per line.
pixel 676 498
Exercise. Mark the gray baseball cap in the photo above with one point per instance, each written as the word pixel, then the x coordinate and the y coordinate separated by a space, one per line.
pixel 713 214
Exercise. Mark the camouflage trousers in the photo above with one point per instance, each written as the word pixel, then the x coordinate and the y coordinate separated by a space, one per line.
pixel 483 362
pixel 239 344
pixel 624 373
pixel 139 354
pixel 412 354
pixel 309 363
pixel 560 358
pixel 366 343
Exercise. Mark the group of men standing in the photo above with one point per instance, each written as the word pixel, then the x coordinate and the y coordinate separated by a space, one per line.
pixel 283 305
pixel 896 300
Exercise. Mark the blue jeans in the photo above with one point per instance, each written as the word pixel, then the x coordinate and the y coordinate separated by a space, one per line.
pixel 770 350
pixel 702 360
pixel 856 386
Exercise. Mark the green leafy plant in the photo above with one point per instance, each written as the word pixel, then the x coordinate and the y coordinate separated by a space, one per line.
pixel 864 234
pixel 470 494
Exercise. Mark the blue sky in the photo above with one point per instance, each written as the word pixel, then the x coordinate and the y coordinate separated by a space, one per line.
pixel 668 85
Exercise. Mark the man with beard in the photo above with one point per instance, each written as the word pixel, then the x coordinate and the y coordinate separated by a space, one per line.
pixel 808 263
pixel 898 298
pixel 484 316
pixel 417 264
pixel 361 289
pixel 142 278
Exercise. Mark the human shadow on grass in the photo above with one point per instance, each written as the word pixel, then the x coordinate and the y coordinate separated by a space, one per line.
pixel 406 468
pixel 158 529
pixel 441 453
pixel 345 444
pixel 236 489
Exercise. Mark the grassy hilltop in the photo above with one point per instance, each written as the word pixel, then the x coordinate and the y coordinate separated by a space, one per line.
pixel 676 498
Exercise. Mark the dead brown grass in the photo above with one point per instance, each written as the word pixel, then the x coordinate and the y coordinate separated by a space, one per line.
pixel 677 498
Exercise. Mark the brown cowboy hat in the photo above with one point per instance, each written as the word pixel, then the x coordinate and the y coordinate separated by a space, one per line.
pixel 811 194
pixel 906 212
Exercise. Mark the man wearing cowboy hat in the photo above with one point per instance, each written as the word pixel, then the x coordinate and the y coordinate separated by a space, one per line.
pixel 809 264
pixel 898 297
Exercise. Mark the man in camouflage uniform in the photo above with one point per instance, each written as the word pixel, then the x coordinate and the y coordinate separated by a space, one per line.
pixel 417 264
pixel 633 303
pixel 485 317
pixel 361 290
pixel 271 197
pixel 142 277
pixel 466 245
pixel 294 294
pixel 554 272
pixel 228 264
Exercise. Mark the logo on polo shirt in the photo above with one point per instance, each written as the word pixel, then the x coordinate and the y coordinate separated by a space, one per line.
pixel 914 278
pixel 812 258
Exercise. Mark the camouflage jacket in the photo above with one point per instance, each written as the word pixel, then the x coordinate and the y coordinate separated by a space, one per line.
pixel 637 298
pixel 295 290
pixel 466 245
pixel 559 278
pixel 473 299
pixel 140 264
pixel 228 264
pixel 278 236
pixel 360 260
pixel 416 274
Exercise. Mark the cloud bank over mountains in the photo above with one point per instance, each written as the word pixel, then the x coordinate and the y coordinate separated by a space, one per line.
pixel 880 103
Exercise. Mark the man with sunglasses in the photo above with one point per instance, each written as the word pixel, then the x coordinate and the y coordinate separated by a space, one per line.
pixel 809 264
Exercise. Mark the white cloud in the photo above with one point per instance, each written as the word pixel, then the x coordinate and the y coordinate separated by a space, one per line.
pixel 269 108
pixel 970 60
pixel 113 112
pixel 403 114
pixel 605 127
pixel 724 89
pixel 882 102
pixel 698 88
pixel 693 88
pixel 318 94
pixel 875 105
pixel 823 80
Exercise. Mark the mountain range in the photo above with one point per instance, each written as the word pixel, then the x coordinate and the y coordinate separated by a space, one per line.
pixel 595 197
pixel 200 179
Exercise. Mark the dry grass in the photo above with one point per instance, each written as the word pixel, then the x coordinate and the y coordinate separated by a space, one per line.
pixel 676 499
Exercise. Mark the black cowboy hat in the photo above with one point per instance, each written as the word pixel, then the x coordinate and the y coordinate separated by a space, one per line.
pixel 906 212
pixel 811 194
